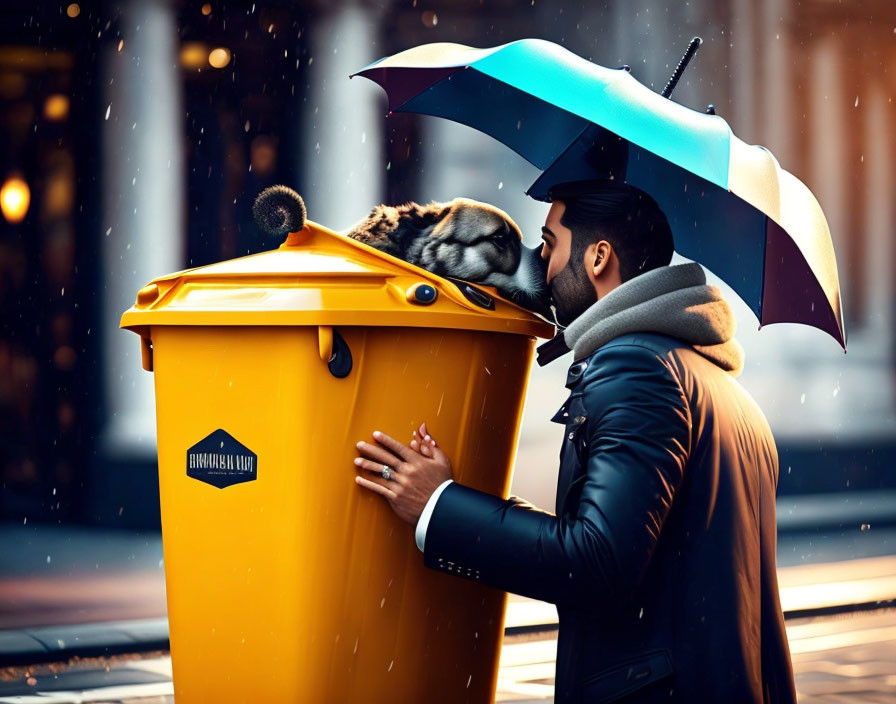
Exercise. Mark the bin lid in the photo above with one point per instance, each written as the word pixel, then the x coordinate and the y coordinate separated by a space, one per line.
pixel 319 277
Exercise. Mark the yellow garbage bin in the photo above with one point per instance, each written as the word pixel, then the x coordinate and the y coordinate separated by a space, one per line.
pixel 286 582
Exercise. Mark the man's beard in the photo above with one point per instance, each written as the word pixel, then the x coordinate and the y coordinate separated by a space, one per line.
pixel 572 293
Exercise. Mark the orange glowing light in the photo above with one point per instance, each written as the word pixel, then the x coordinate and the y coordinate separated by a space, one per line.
pixel 56 107
pixel 193 55
pixel 73 10
pixel 219 57
pixel 15 197
pixel 207 9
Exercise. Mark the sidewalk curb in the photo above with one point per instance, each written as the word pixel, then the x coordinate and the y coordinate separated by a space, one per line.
pixel 55 643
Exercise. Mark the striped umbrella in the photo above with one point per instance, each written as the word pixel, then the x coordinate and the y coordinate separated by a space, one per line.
pixel 731 206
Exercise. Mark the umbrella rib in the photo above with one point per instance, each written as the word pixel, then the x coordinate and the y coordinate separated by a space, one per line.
pixel 762 272
pixel 563 153
pixel 418 93
pixel 572 142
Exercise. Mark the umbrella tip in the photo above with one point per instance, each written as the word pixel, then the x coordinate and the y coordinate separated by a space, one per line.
pixel 682 65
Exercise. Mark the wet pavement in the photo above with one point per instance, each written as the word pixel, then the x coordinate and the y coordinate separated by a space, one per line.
pixel 840 658
pixel 837 658
pixel 52 575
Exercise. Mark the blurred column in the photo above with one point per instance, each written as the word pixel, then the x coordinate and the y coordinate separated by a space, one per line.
pixel 742 70
pixel 777 116
pixel 877 160
pixel 836 169
pixel 142 207
pixel 341 157
pixel 827 150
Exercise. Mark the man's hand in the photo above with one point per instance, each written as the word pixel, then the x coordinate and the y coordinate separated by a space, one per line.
pixel 417 471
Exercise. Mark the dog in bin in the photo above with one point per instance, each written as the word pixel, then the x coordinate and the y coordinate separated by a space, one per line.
pixel 460 238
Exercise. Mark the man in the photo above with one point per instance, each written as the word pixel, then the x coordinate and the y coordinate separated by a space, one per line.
pixel 660 555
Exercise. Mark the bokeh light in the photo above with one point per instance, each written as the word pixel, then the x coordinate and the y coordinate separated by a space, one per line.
pixel 263 155
pixel 56 107
pixel 193 55
pixel 15 197
pixel 219 57
pixel 73 10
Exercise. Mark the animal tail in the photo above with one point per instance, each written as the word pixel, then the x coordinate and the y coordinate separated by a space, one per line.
pixel 279 210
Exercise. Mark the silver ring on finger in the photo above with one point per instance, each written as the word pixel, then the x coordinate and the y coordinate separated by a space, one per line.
pixel 386 471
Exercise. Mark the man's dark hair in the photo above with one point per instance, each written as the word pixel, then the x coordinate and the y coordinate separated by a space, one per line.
pixel 625 216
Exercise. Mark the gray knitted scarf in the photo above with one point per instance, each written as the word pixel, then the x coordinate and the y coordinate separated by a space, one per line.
pixel 670 300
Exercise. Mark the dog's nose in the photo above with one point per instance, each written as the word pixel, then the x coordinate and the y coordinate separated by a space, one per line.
pixel 539 296
pixel 534 254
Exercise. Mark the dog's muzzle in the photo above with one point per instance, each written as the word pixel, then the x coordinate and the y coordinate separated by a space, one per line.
pixel 533 292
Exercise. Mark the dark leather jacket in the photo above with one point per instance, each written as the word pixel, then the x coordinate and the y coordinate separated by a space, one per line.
pixel 661 555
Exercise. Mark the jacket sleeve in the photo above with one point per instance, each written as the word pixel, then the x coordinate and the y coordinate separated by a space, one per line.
pixel 638 441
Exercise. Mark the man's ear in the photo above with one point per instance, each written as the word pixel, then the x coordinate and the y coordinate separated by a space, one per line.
pixel 600 254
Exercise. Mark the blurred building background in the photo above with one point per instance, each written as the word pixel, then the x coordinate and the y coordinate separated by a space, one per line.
pixel 135 136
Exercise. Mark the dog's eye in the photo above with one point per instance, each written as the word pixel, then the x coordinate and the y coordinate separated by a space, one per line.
pixel 499 239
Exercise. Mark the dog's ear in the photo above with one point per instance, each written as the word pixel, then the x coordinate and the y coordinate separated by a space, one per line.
pixel 382 219
pixel 442 210
pixel 421 217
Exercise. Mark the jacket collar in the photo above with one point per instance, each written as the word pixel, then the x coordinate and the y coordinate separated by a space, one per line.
pixel 671 300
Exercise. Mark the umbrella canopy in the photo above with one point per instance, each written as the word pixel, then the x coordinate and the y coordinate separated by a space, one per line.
pixel 730 205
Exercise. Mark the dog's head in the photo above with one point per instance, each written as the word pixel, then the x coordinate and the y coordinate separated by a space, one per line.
pixel 465 239
pixel 481 238
pixel 480 243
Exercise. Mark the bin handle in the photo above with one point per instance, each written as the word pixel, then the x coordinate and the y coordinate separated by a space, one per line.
pixel 146 353
pixel 325 342
pixel 334 351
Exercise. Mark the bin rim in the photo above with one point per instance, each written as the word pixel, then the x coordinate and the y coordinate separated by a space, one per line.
pixel 228 293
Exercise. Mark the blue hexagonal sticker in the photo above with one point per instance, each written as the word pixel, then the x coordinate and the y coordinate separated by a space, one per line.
pixel 221 460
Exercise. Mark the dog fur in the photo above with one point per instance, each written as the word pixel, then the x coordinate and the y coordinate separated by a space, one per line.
pixel 464 239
